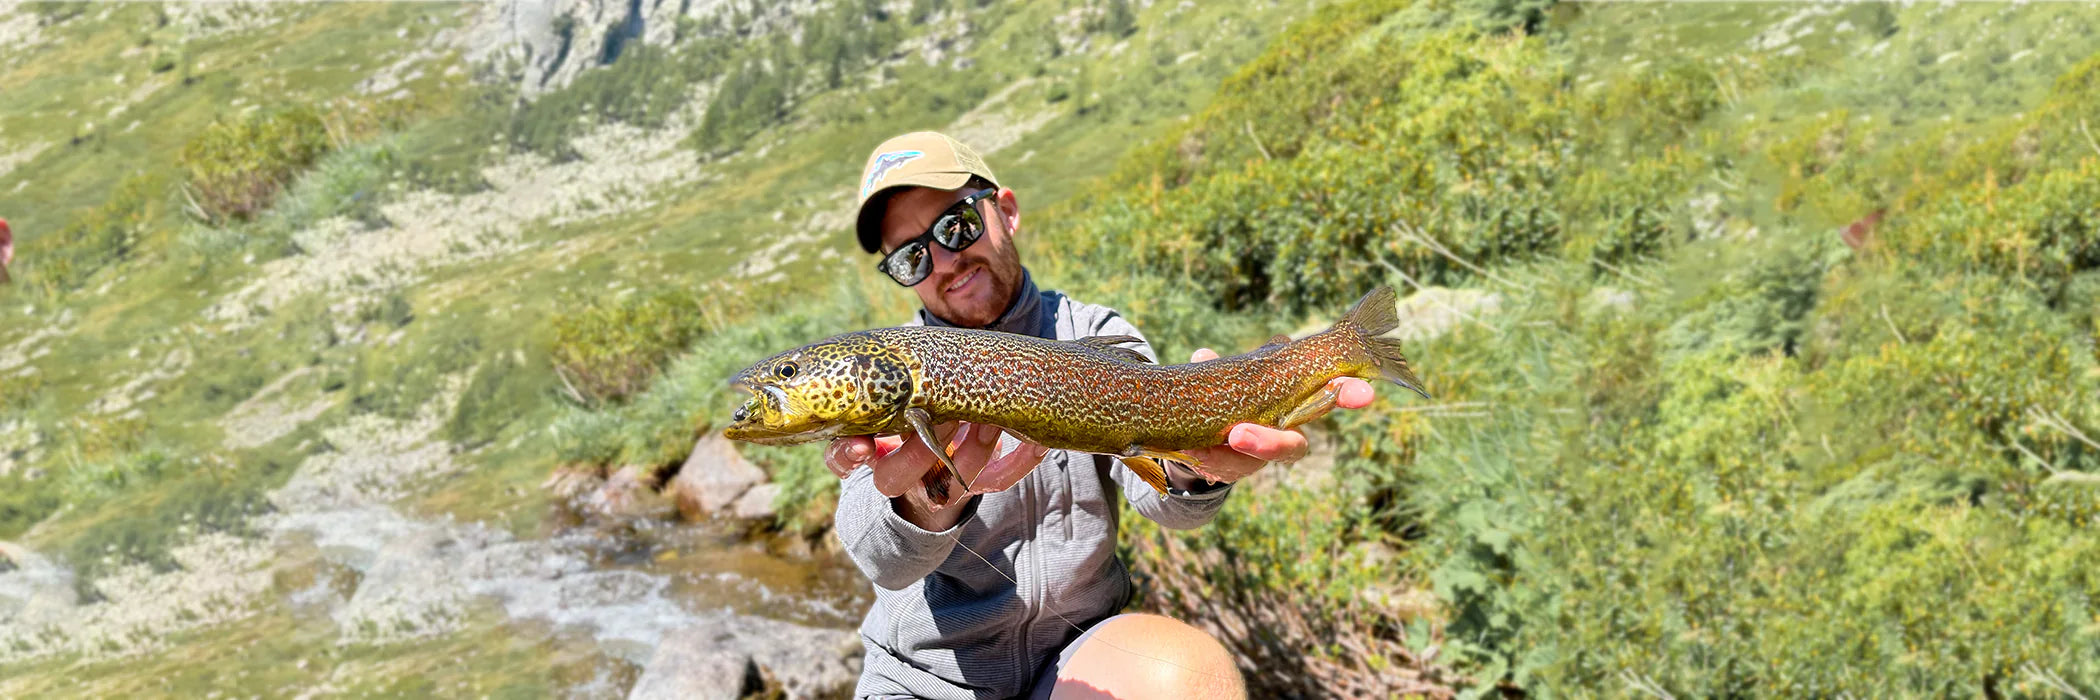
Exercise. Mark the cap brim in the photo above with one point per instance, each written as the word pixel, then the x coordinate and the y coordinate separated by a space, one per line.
pixel 869 220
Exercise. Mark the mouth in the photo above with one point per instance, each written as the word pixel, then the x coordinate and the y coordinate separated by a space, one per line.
pixel 958 285
pixel 750 423
pixel 753 407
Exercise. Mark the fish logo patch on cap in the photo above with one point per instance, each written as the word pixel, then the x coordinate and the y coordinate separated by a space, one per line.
pixel 885 163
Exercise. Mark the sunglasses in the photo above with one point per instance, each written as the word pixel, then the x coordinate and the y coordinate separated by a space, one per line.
pixel 956 229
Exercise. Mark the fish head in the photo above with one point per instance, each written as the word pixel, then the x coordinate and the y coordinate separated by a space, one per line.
pixel 849 385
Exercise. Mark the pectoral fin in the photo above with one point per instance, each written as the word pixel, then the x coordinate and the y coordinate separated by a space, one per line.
pixel 922 424
pixel 1112 345
pixel 1149 469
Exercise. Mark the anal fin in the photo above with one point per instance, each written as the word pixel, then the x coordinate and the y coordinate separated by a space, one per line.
pixel 1149 469
pixel 1314 406
pixel 1153 471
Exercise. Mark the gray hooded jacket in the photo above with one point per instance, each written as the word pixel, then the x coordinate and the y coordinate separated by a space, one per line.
pixel 944 624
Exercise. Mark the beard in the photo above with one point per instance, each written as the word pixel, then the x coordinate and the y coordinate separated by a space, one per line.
pixel 979 292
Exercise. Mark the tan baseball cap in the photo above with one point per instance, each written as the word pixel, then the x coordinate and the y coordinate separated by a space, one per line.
pixel 917 159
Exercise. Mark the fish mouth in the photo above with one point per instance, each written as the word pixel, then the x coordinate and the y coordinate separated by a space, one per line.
pixel 763 398
pixel 750 425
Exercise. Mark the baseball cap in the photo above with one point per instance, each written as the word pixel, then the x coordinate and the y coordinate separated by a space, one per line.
pixel 917 159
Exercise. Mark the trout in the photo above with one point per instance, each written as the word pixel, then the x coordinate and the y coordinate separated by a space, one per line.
pixel 1088 395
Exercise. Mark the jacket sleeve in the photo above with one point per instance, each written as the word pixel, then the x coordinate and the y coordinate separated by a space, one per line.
pixel 1179 510
pixel 892 551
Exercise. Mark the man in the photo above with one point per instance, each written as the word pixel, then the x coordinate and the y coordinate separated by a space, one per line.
pixel 986 595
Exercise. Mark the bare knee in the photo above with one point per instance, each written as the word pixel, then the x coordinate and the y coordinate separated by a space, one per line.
pixel 1149 656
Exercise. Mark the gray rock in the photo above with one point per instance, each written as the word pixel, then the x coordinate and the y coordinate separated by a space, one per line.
pixel 629 493
pixel 713 478
pixel 543 45
pixel 1434 311
pixel 731 655
pixel 34 591
pixel 757 503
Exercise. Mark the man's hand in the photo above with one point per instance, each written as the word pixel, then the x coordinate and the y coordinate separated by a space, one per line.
pixel 900 463
pixel 1250 447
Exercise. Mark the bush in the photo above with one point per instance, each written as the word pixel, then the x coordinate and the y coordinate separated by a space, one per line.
pixel 609 350
pixel 2043 230
pixel 235 167
pixel 1442 156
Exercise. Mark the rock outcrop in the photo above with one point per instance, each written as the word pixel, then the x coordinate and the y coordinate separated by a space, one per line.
pixel 712 480
pixel 736 655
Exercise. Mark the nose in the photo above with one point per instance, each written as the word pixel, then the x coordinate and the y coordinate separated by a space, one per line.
pixel 943 258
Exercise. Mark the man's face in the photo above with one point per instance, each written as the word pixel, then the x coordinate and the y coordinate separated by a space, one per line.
pixel 970 288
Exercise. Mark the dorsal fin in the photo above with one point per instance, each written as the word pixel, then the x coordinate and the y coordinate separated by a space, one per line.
pixel 1279 341
pixel 1112 345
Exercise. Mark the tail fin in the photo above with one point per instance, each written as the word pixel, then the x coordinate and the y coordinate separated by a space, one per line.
pixel 1374 315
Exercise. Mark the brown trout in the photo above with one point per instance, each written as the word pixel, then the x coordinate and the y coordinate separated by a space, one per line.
pixel 1087 395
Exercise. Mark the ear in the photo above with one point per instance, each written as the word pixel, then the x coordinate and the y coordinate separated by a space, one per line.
pixel 1009 211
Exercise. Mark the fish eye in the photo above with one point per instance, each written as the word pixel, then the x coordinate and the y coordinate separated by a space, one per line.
pixel 785 371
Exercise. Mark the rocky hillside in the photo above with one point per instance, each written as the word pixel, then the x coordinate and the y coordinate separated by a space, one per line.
pixel 367 348
pixel 304 293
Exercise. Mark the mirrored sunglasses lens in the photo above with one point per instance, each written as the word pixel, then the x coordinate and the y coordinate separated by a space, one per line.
pixel 959 229
pixel 909 264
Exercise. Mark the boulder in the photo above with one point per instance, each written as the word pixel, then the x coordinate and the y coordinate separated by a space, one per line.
pixel 1434 311
pixel 712 479
pixel 1427 313
pixel 629 493
pixel 757 503
pixel 732 655
pixel 572 481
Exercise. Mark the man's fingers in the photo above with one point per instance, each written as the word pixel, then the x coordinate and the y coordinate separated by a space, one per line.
pixel 1224 464
pixel 1269 443
pixel 899 471
pixel 1203 355
pixel 1003 472
pixel 1354 393
pixel 975 449
pixel 847 454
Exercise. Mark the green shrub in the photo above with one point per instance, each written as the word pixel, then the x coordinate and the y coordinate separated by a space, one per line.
pixel 2043 230
pixel 235 167
pixel 1445 159
pixel 609 350
pixel 351 182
